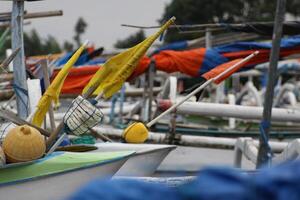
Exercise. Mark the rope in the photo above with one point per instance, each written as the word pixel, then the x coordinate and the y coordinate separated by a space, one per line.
pixel 114 100
pixel 262 127
pixel 18 90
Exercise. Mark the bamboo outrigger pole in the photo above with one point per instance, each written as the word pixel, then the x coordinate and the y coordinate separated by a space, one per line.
pixel 19 62
pixel 229 70
pixel 35 15
pixel 264 151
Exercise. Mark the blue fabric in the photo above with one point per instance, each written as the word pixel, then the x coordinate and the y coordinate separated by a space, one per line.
pixel 289 42
pixel 123 190
pixel 18 90
pixel 64 59
pixel 84 58
pixel 173 46
pixel 66 141
pixel 211 60
pixel 283 66
pixel 265 139
pixel 240 46
pixel 96 61
pixel 215 183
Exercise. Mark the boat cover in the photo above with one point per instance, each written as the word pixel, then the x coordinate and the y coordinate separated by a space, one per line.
pixel 57 162
pixel 193 62
pixel 280 183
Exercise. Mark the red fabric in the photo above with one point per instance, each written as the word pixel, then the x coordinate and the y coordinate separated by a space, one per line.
pixel 262 57
pixel 188 62
pixel 221 68
pixel 141 68
pixel 77 79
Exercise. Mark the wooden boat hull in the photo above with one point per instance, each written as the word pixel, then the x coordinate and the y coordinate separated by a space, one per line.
pixel 144 162
pixel 61 185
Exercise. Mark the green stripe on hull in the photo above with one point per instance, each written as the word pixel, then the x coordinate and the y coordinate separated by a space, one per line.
pixel 58 162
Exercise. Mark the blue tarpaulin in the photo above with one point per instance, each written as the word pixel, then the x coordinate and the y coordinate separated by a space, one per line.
pixel 215 183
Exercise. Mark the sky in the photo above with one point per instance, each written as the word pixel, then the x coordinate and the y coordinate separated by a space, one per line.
pixel 104 18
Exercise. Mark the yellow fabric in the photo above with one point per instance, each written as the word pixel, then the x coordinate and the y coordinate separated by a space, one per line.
pixel 135 133
pixel 53 91
pixel 110 78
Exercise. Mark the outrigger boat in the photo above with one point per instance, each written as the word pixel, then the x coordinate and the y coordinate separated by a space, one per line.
pixel 144 162
pixel 57 175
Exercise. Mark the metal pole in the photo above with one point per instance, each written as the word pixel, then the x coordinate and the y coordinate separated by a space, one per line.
pixel 208 45
pixel 264 152
pixel 122 99
pixel 19 61
pixel 208 38
pixel 144 84
pixel 151 74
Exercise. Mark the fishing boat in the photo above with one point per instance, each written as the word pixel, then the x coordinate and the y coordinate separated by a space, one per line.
pixel 144 162
pixel 58 175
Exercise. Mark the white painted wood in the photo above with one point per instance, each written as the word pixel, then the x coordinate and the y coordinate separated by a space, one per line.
pixel 291 152
pixel 34 93
pixel 144 162
pixel 237 111
pixel 10 66
pixel 245 147
pixel 173 88
pixel 190 140
pixel 229 70
pixel 58 186
pixel 231 101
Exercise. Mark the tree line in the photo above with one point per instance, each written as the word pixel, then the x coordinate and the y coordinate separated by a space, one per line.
pixel 34 44
pixel 186 12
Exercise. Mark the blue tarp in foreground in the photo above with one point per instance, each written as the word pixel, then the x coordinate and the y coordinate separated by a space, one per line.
pixel 216 183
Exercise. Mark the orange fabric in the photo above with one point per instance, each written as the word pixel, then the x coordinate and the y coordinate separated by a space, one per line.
pixel 221 68
pixel 77 79
pixel 187 62
pixel 263 55
pixel 141 68
pixel 80 76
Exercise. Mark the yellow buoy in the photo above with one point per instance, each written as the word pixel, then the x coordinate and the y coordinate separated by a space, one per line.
pixel 23 143
pixel 2 157
pixel 135 133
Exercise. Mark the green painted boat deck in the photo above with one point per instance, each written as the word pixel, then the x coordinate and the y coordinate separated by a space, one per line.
pixel 57 162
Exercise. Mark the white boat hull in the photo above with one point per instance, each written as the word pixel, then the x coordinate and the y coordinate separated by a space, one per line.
pixel 58 186
pixel 144 162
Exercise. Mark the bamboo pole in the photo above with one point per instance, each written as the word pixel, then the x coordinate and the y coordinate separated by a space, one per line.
pixel 10 116
pixel 19 62
pixel 129 92
pixel 151 74
pixel 264 153
pixel 34 15
pixel 191 140
pixel 8 60
pixel 219 76
pixel 8 24
pixel 234 111
pixel 199 25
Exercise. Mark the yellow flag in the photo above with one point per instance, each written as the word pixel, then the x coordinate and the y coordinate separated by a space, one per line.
pixel 53 91
pixel 111 76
